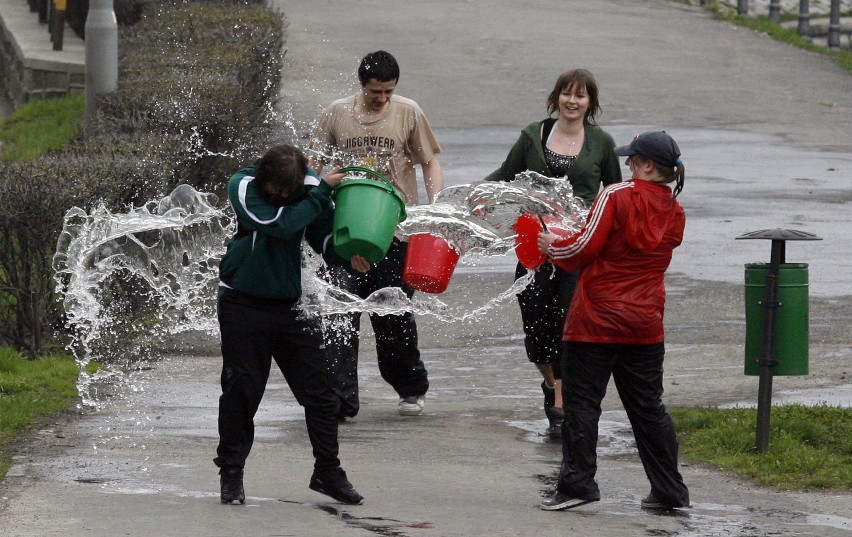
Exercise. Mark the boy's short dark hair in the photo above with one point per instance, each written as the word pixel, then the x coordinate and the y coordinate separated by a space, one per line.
pixel 380 66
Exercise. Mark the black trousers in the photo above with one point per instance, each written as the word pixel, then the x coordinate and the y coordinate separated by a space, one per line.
pixel 638 374
pixel 255 331
pixel 544 305
pixel 396 335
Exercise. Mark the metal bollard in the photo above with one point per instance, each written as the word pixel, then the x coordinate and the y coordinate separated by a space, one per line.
pixel 742 7
pixel 804 28
pixel 57 22
pixel 43 8
pixel 775 11
pixel 834 25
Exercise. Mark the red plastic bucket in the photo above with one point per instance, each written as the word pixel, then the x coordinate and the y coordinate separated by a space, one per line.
pixel 429 263
pixel 527 227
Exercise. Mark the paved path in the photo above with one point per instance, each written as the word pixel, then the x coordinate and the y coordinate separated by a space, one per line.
pixel 658 63
pixel 475 464
pixel 766 128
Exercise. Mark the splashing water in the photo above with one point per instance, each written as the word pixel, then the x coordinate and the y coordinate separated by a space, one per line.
pixel 151 269
pixel 320 297
pixel 478 218
pixel 127 279
pixel 499 204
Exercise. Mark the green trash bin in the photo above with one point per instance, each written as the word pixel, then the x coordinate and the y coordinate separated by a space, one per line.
pixel 791 318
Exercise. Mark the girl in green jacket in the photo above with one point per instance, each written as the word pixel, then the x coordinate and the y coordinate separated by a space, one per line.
pixel 572 146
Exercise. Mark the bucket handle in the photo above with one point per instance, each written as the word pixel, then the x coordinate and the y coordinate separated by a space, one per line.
pixel 368 171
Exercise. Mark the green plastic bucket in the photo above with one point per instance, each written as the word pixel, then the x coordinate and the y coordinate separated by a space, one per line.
pixel 366 213
pixel 791 318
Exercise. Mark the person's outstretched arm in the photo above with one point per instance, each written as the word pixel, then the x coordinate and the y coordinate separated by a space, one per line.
pixel 433 178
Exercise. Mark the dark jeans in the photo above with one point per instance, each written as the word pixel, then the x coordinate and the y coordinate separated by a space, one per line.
pixel 253 332
pixel 638 374
pixel 544 305
pixel 396 335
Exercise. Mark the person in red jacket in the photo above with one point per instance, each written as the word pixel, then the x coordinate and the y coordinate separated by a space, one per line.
pixel 614 326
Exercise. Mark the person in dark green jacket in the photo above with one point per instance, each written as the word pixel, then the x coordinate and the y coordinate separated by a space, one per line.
pixel 277 202
pixel 572 146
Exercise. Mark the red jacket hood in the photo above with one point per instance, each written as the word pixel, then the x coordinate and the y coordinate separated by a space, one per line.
pixel 650 216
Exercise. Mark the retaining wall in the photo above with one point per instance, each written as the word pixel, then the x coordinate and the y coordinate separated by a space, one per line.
pixel 29 67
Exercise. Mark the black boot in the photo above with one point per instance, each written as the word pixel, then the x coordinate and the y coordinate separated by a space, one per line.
pixel 554 414
pixel 231 481
pixel 335 484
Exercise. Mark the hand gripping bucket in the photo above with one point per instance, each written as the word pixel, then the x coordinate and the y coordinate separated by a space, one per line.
pixel 366 213
pixel 429 263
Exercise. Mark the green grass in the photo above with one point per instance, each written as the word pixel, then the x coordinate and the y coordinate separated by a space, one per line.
pixel 31 390
pixel 38 127
pixel 809 447
pixel 763 24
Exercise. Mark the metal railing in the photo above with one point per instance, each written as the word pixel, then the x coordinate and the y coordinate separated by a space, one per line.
pixel 52 12
pixel 804 26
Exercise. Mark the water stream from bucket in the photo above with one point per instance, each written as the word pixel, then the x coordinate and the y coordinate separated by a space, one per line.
pixel 128 280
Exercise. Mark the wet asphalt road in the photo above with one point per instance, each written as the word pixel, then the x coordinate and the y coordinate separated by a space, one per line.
pixel 767 140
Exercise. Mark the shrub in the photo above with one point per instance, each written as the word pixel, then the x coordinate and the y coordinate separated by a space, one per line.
pixel 208 76
pixel 197 87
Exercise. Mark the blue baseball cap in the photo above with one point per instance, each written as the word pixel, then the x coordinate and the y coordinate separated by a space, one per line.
pixel 657 146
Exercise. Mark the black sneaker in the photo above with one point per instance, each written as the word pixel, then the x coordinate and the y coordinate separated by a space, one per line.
pixel 652 502
pixel 334 483
pixel 231 480
pixel 560 501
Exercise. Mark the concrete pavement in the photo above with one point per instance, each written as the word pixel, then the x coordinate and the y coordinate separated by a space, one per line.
pixel 658 63
pixel 475 464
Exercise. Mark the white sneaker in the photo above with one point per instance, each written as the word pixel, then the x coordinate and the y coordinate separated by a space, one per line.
pixel 412 405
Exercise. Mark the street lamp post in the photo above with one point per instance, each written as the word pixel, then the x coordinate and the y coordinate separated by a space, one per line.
pixel 101 53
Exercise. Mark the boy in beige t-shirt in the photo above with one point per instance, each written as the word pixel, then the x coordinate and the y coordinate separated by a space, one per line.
pixel 390 140
pixel 390 134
